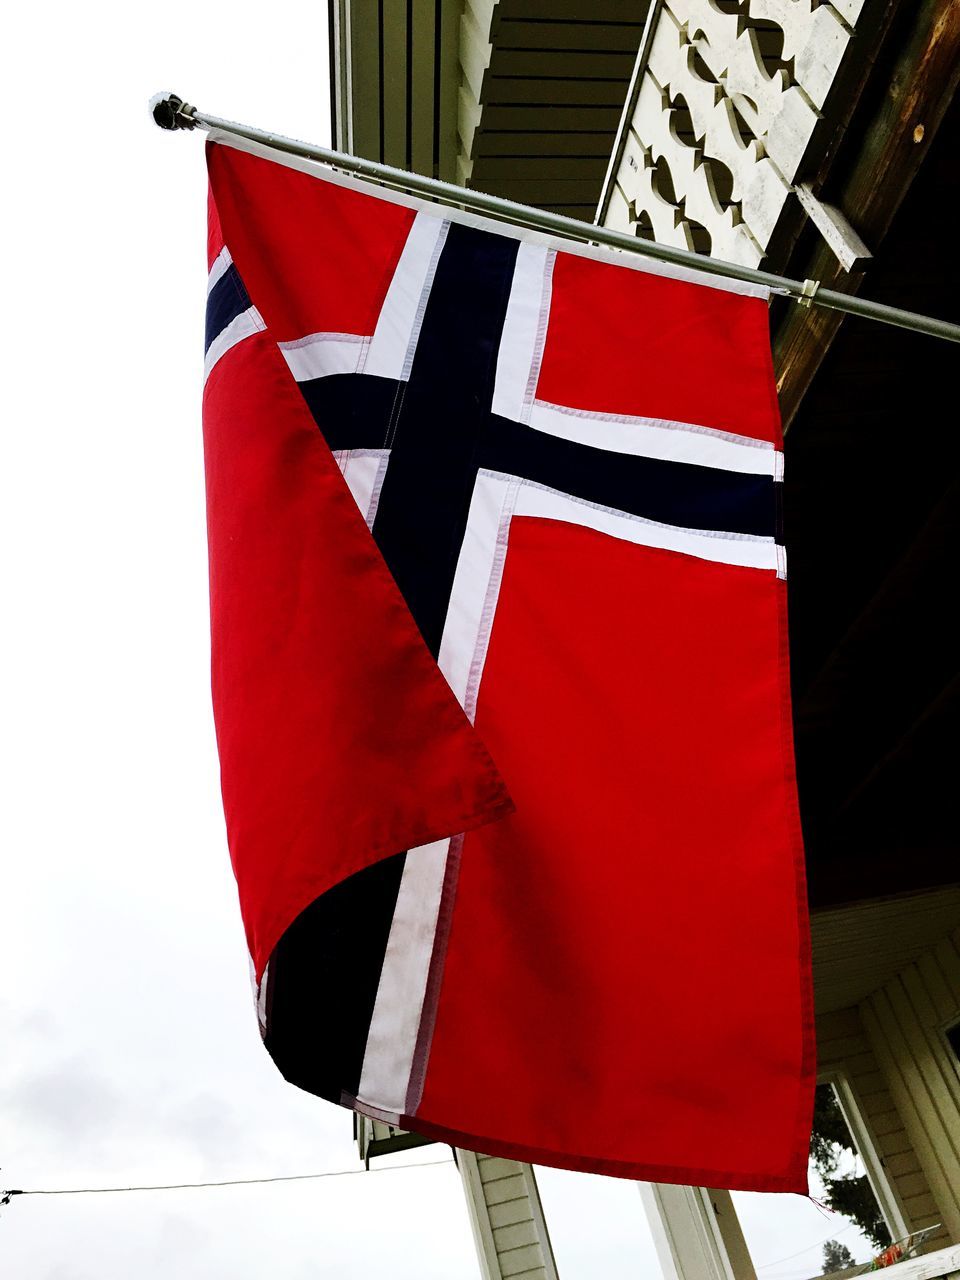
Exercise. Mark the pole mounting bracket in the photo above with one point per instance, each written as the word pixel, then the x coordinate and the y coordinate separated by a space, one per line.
pixel 808 291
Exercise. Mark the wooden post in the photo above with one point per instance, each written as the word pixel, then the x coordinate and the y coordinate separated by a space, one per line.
pixel 696 1233
pixel 507 1218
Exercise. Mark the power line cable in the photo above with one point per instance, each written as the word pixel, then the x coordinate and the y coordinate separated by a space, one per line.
pixel 226 1182
pixel 765 1266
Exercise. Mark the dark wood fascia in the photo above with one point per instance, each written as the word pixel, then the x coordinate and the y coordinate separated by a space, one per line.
pixel 922 84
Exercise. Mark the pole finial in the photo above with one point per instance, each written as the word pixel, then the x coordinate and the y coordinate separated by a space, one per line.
pixel 171 112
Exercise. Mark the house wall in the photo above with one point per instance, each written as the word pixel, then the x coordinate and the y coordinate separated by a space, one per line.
pixel 395 74
pixel 904 1022
pixel 507 1218
pixel 541 93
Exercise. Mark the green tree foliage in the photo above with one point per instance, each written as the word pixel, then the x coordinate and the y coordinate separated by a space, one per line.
pixel 851 1196
pixel 830 1137
pixel 836 1257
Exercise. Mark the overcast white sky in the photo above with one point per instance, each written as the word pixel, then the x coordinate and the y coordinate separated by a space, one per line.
pixel 128 1047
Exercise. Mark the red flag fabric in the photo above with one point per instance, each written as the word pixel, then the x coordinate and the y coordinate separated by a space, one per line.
pixel 501 682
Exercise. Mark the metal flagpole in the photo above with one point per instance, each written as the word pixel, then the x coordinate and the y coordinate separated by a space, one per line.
pixel 171 112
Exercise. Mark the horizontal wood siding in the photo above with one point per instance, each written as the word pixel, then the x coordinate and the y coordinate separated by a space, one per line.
pixel 542 87
pixel 507 1218
pixel 904 1021
pixel 859 947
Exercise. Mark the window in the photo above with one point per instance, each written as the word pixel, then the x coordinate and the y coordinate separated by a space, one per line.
pixel 797 1240
pixel 836 1163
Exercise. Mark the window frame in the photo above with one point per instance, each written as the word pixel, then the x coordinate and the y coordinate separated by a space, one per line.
pixel 953 1054
pixel 881 1184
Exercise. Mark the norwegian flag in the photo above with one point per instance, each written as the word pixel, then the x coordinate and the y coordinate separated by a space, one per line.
pixel 500 681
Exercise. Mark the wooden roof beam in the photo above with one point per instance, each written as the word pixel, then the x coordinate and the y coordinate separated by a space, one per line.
pixel 923 82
